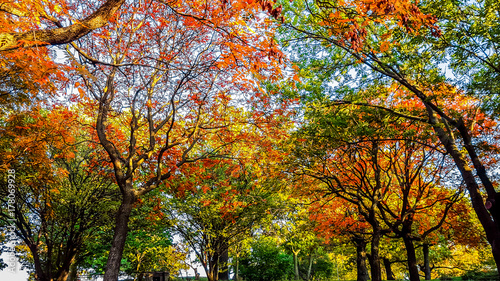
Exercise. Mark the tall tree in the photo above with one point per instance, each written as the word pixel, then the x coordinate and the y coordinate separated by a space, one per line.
pixel 161 96
pixel 392 177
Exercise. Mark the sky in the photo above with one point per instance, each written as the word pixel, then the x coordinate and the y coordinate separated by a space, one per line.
pixel 8 275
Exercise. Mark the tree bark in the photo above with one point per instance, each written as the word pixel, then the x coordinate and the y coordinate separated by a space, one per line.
pixel 223 263
pixel 490 226
pixel 213 267
pixel 296 265
pixel 412 258
pixel 63 276
pixel 388 269
pixel 73 271
pixel 374 259
pixel 362 271
pixel 39 272
pixel 309 268
pixel 61 35
pixel 427 266
pixel 119 237
pixel 237 268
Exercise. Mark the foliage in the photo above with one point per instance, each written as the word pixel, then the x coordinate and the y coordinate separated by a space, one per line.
pixel 266 262
pixel 185 103
pixel 62 193
pixel 216 204
pixel 362 55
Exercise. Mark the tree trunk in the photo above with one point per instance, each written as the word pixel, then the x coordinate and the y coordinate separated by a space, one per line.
pixel 309 268
pixel 374 258
pixel 388 269
pixel 237 268
pixel 119 237
pixel 62 276
pixel 296 265
pixel 412 258
pixel 39 273
pixel 73 271
pixel 223 263
pixel 362 271
pixel 427 267
pixel 490 225
pixel 375 269
pixel 213 267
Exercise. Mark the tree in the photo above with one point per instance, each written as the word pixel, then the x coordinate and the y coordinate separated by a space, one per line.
pixel 62 193
pixel 161 95
pixel 217 203
pixel 392 178
pixel 149 249
pixel 392 47
pixel 294 227
pixel 350 227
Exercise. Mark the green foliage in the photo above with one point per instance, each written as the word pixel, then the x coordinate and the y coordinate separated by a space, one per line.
pixel 322 267
pixel 266 262
pixel 480 275
pixel 471 38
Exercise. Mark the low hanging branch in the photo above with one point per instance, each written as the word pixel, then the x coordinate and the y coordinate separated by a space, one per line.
pixel 60 35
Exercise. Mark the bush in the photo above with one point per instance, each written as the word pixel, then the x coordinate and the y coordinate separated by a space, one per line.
pixel 266 262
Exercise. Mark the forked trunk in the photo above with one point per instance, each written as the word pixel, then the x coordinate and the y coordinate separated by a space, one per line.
pixel 296 265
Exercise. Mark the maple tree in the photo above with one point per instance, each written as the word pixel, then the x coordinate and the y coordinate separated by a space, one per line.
pixel 395 50
pixel 349 228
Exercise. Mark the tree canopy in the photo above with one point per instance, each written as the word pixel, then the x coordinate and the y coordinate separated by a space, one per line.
pixel 268 139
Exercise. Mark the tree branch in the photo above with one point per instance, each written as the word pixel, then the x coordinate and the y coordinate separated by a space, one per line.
pixel 61 35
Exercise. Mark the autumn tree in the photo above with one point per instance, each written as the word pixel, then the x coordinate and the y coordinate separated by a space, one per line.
pixel 397 50
pixel 62 192
pixel 349 227
pixel 217 203
pixel 161 96
pixel 393 178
